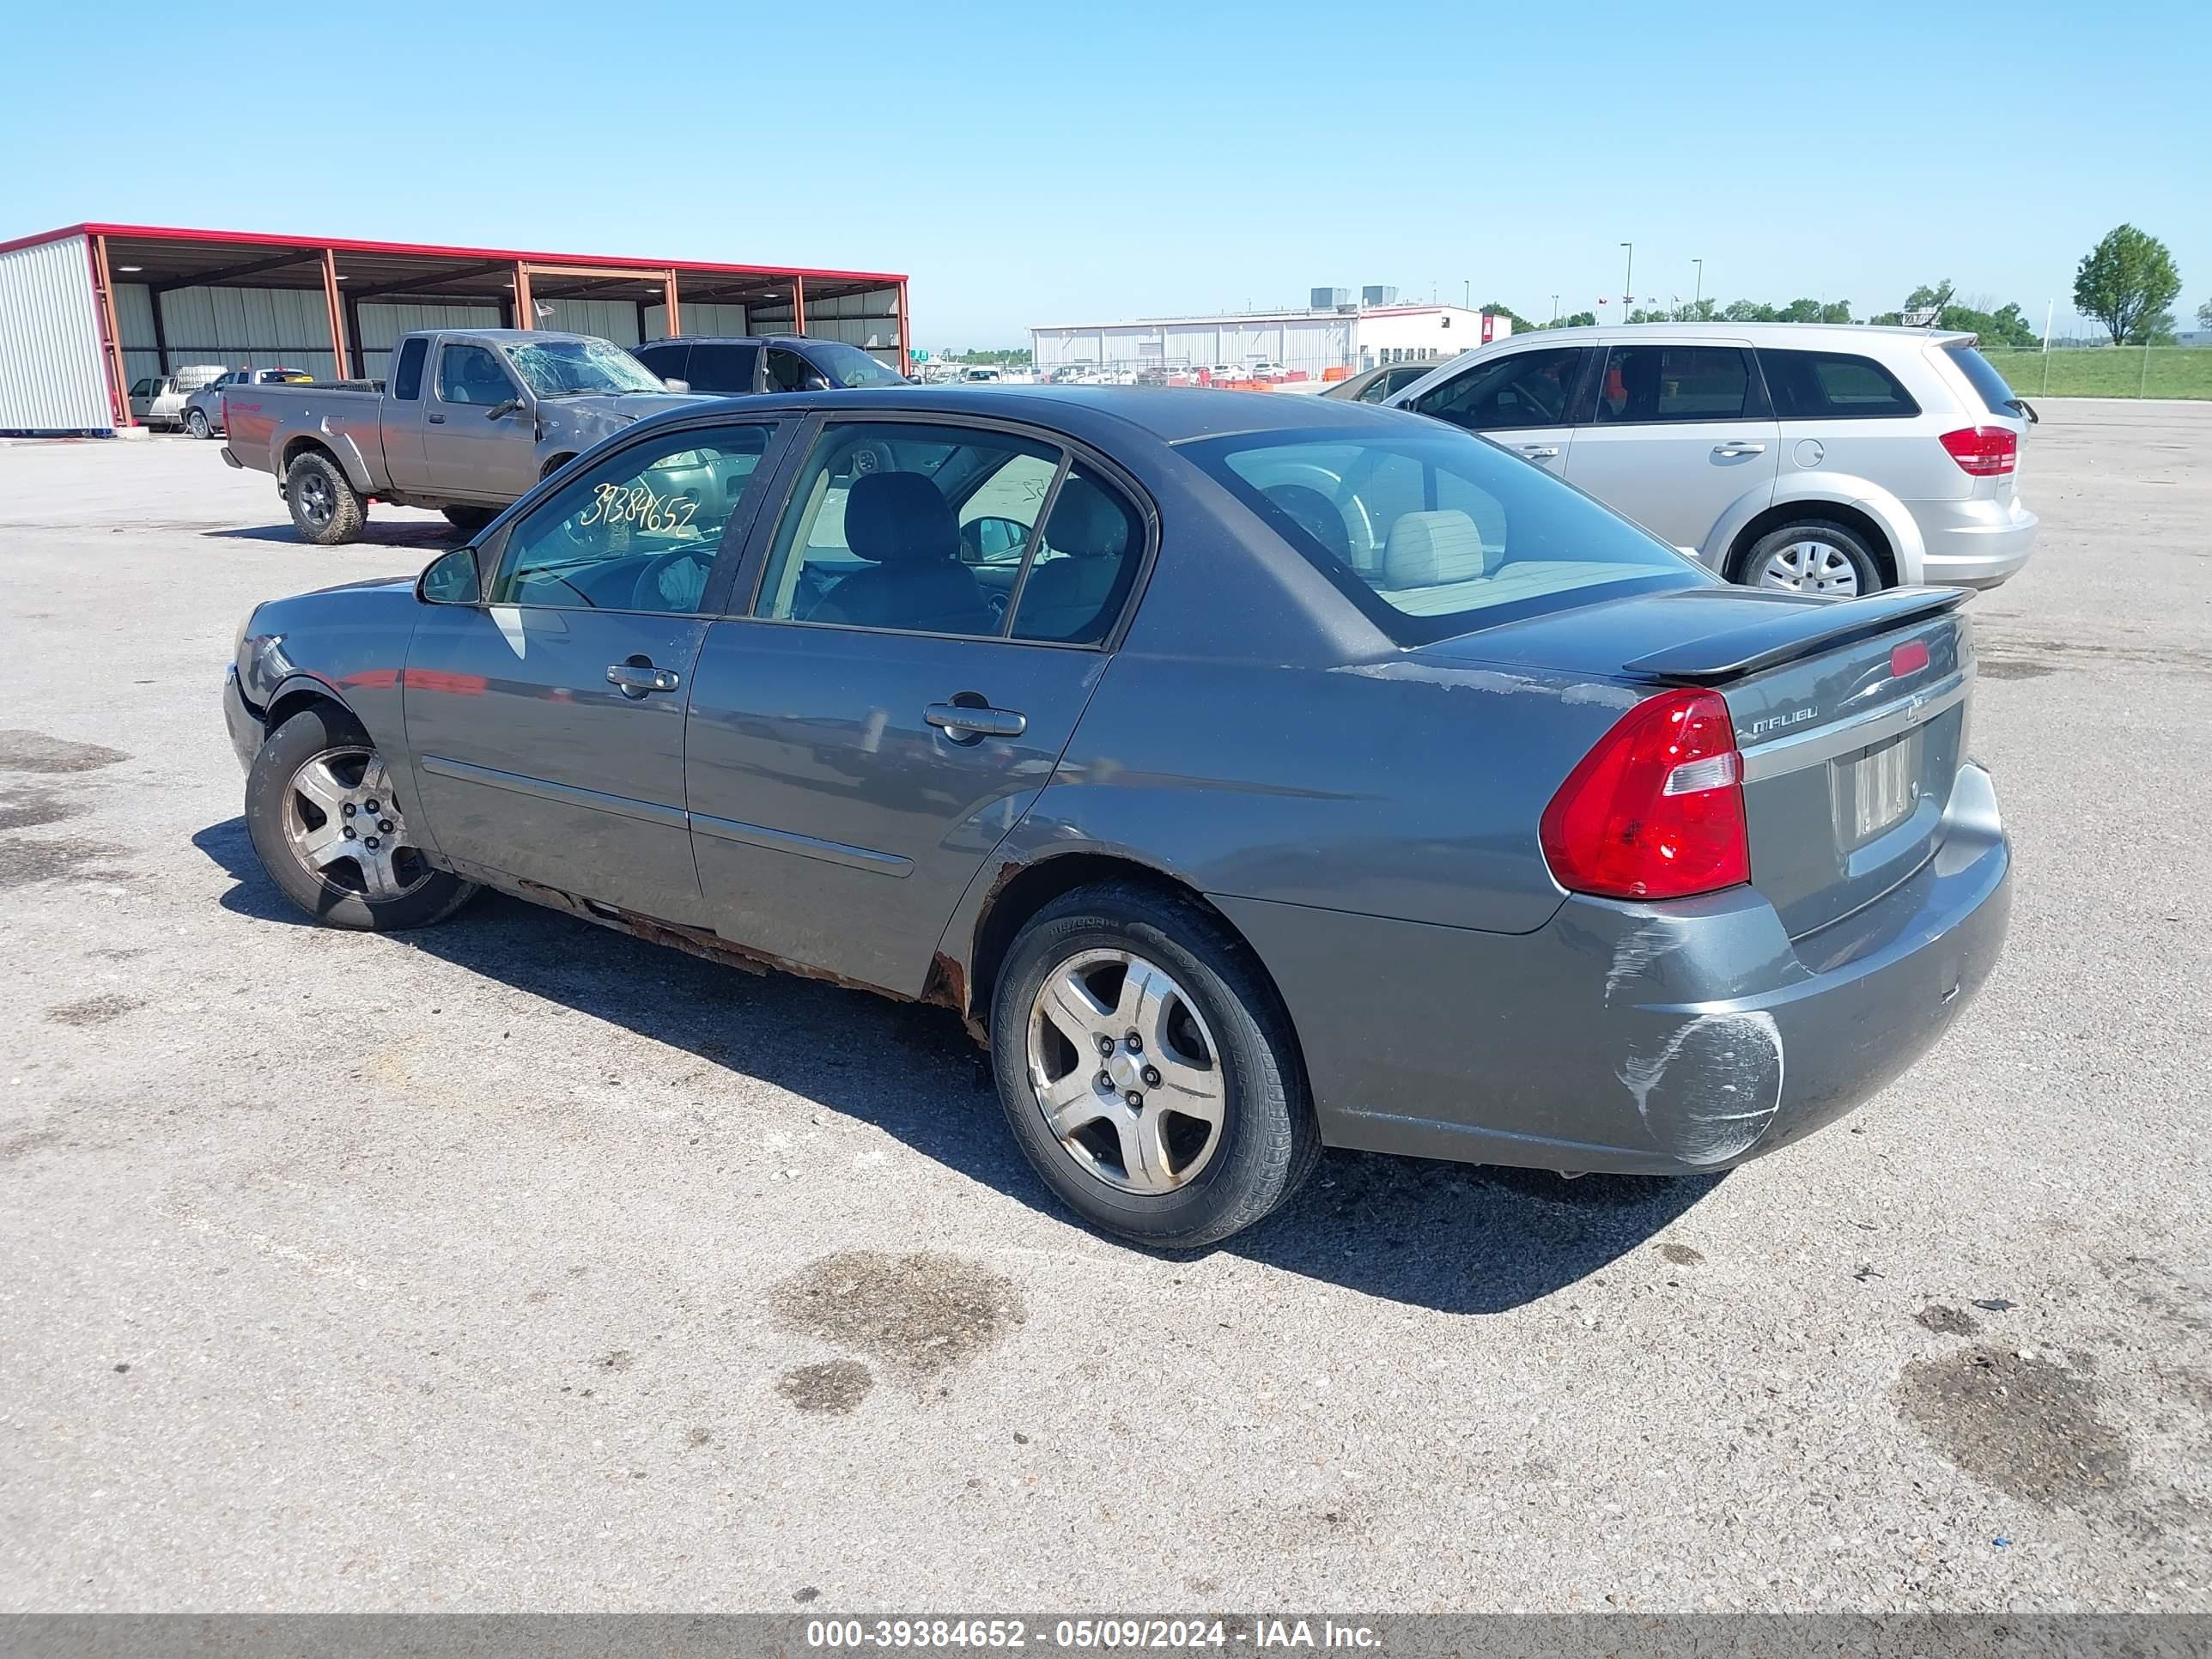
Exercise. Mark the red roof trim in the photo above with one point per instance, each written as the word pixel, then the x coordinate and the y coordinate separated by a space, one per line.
pixel 428 249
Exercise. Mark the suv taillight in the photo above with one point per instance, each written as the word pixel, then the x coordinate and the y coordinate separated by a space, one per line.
pixel 1986 452
pixel 1655 810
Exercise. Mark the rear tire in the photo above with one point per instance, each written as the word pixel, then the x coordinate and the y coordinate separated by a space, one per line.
pixel 1813 555
pixel 1223 1133
pixel 326 509
pixel 312 769
pixel 469 519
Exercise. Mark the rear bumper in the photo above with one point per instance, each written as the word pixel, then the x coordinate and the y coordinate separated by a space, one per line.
pixel 246 732
pixel 1974 544
pixel 1648 1039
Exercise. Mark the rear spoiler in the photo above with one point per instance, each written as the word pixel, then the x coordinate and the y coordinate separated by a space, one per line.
pixel 1796 630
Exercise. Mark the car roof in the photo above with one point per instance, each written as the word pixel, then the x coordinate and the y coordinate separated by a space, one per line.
pixel 730 339
pixel 1773 334
pixel 1169 415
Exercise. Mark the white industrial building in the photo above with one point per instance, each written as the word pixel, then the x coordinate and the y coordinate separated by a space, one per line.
pixel 1333 332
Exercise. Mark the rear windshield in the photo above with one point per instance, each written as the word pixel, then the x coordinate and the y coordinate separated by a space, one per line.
pixel 1436 532
pixel 1989 386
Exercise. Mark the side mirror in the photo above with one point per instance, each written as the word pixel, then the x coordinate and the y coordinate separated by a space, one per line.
pixel 452 578
pixel 815 382
pixel 991 541
pixel 500 411
pixel 675 385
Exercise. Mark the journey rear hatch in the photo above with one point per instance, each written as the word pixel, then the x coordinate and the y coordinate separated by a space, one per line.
pixel 1851 717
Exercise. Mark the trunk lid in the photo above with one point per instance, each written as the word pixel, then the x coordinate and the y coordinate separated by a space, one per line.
pixel 1851 715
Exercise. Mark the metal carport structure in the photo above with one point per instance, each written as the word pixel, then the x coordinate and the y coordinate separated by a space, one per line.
pixel 87 309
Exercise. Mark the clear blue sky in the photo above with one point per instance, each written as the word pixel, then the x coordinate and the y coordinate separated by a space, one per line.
pixel 1035 163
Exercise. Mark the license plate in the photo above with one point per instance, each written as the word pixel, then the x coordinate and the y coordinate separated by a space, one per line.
pixel 1881 787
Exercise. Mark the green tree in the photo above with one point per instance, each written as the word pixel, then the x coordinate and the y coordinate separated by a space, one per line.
pixel 2125 282
pixel 1499 308
pixel 1748 310
pixel 2204 315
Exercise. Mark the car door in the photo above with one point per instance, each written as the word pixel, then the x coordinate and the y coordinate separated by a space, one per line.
pixel 1523 399
pixel 480 440
pixel 405 460
pixel 862 739
pixel 1681 439
pixel 546 721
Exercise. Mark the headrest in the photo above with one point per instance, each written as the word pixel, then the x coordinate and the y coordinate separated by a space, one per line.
pixel 1086 522
pixel 1426 549
pixel 900 518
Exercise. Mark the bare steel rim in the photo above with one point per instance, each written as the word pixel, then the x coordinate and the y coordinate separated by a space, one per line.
pixel 345 829
pixel 1126 1073
pixel 318 502
pixel 1810 565
pixel 197 424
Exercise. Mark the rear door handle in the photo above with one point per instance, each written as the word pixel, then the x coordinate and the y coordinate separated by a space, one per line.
pixel 639 678
pixel 965 724
pixel 1540 451
pixel 1737 446
pixel 435 420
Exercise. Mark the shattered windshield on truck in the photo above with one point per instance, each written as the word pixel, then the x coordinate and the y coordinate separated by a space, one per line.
pixel 564 368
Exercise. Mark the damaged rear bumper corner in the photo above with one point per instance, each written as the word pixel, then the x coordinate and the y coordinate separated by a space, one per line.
pixel 1635 1039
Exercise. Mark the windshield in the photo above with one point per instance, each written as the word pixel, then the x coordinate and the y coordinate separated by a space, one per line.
pixel 1434 534
pixel 561 369
pixel 849 366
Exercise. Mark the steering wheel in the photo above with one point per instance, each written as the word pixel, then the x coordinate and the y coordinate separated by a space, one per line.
pixel 646 594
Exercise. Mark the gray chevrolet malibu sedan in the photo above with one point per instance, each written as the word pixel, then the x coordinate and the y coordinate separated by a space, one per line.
pixel 1252 773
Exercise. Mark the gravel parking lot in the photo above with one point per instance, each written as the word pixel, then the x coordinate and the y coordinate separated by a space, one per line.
pixel 517 1265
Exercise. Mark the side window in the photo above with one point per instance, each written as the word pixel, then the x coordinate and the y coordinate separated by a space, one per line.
pixel 1654 383
pixel 639 531
pixel 999 514
pixel 727 368
pixel 142 388
pixel 872 539
pixel 407 379
pixel 786 370
pixel 1085 563
pixel 1524 389
pixel 471 375
pixel 1832 386
pixel 665 358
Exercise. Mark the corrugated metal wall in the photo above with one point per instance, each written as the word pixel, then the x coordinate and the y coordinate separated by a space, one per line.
pixel 610 319
pixel 868 319
pixel 134 319
pixel 1312 343
pixel 237 327
pixel 383 321
pixel 699 320
pixel 50 376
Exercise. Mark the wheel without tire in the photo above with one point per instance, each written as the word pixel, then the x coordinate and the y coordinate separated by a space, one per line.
pixel 319 808
pixel 1815 556
pixel 1147 1069
pixel 197 424
pixel 326 509
pixel 469 519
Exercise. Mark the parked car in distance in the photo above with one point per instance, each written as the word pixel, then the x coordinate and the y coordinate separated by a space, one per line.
pixel 470 420
pixel 158 400
pixel 202 410
pixel 1495 829
pixel 1814 457
pixel 749 366
pixel 1372 386
pixel 1267 371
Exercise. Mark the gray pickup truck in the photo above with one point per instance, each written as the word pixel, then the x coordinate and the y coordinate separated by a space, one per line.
pixel 469 421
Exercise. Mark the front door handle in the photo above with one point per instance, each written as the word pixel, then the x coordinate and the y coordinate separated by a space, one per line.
pixel 1540 451
pixel 435 420
pixel 964 723
pixel 1737 446
pixel 638 677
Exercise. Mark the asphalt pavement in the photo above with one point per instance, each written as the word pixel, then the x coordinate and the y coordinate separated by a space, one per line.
pixel 515 1265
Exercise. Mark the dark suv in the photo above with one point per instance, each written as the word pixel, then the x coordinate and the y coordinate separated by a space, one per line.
pixel 741 366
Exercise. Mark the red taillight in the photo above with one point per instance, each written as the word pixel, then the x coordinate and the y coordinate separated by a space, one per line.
pixel 1655 810
pixel 1986 452
pixel 1908 659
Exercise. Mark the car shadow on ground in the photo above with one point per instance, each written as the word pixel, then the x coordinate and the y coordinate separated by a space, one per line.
pixel 374 533
pixel 1456 1238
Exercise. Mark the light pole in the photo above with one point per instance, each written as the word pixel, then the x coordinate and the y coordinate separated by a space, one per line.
pixel 1555 307
pixel 1698 299
pixel 1628 281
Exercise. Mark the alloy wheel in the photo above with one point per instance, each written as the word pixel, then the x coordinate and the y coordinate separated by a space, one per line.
pixel 317 501
pixel 1810 566
pixel 346 829
pixel 1126 1073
